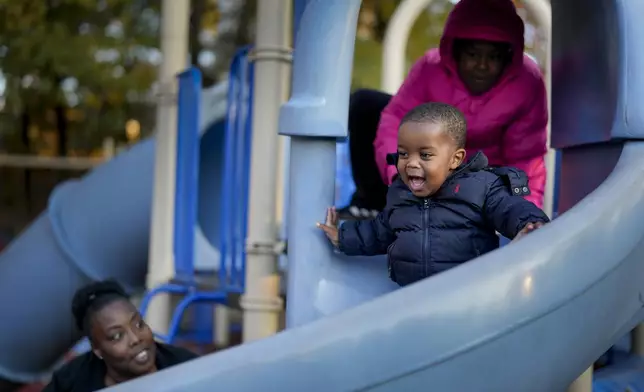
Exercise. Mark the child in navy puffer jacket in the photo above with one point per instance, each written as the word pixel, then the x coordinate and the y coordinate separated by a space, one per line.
pixel 440 211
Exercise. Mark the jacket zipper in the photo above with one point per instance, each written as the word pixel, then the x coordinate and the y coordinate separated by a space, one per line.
pixel 426 239
pixel 389 266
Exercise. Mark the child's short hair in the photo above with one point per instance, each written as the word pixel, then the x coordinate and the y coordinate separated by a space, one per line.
pixel 450 118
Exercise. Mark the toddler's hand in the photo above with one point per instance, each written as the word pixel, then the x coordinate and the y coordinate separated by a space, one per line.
pixel 330 227
pixel 527 229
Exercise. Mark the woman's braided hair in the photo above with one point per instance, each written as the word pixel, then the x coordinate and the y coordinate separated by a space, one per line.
pixel 92 298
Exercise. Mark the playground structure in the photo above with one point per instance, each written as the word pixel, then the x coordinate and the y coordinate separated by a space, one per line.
pixel 543 308
pixel 230 260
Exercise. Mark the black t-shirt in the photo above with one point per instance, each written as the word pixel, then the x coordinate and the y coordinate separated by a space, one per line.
pixel 87 373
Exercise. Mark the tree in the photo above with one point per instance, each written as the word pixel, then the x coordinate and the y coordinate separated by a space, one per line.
pixel 60 54
pixel 374 18
pixel 204 20
pixel 234 29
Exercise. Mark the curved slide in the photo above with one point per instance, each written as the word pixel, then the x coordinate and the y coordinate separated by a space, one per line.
pixel 94 228
pixel 528 317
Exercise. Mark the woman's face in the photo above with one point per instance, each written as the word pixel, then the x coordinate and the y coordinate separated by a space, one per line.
pixel 480 64
pixel 123 340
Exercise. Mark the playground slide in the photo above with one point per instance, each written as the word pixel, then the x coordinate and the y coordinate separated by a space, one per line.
pixel 528 317
pixel 94 228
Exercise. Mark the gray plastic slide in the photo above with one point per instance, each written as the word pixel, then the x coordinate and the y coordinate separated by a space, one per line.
pixel 94 228
pixel 528 317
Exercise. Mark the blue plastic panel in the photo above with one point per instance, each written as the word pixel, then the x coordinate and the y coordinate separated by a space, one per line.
pixel 236 173
pixel 187 173
pixel 596 60
pixel 583 169
pixel 298 11
pixel 626 376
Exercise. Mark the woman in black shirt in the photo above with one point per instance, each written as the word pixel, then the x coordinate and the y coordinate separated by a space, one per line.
pixel 123 347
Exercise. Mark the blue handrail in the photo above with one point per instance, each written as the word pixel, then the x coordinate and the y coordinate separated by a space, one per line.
pixel 238 133
pixel 187 173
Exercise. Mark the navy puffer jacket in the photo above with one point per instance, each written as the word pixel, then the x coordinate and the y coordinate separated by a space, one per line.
pixel 425 236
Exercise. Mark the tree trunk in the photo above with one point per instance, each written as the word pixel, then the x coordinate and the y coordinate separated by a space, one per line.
pixel 25 124
pixel 236 29
pixel 198 9
pixel 61 129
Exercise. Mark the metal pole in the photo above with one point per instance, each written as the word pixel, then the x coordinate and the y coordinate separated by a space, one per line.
pixel 221 330
pixel 174 47
pixel 637 340
pixel 394 60
pixel 583 383
pixel 109 148
pixel 261 302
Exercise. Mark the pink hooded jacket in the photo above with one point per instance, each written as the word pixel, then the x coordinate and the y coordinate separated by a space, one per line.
pixel 508 123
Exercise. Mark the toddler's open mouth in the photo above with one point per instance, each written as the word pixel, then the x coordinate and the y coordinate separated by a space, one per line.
pixel 416 183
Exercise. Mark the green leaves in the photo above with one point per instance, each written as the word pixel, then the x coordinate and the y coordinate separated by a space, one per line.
pixel 375 15
pixel 102 44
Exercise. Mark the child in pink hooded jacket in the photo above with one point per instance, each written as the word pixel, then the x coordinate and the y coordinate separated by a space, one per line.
pixel 481 69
